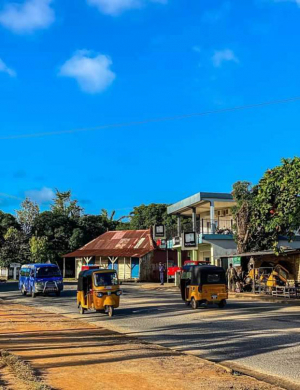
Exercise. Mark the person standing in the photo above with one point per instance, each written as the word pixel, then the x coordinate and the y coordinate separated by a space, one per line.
pixel 161 270
pixel 231 277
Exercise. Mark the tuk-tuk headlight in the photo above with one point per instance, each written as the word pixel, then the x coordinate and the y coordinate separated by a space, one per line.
pixel 99 295
pixel 119 292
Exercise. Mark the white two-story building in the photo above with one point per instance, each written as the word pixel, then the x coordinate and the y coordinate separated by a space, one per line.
pixel 209 215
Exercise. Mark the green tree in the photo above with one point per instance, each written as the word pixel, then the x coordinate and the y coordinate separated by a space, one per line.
pixel 58 229
pixel 64 205
pixel 7 221
pixel 145 216
pixel 39 249
pixel 27 215
pixel 15 248
pixel 77 239
pixel 270 209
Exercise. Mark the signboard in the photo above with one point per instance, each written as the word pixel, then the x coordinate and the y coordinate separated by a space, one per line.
pixel 159 231
pixel 176 241
pixel 15 265
pixel 236 261
pixel 189 240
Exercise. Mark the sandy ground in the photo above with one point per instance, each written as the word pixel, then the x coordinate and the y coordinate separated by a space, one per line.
pixel 71 354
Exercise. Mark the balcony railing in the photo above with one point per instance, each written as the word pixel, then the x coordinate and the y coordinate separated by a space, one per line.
pixel 205 226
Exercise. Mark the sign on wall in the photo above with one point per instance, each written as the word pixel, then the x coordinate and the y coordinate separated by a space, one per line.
pixel 236 261
pixel 189 240
pixel 176 241
pixel 159 231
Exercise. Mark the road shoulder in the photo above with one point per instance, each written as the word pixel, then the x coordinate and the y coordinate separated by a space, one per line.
pixel 70 354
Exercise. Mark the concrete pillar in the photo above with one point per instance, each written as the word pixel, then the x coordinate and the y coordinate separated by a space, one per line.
pixel 212 216
pixel 194 220
pixel 179 257
pixel 194 255
pixel 178 225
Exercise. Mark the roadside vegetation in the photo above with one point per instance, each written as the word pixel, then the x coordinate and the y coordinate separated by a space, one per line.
pixel 35 236
pixel 268 210
pixel 23 371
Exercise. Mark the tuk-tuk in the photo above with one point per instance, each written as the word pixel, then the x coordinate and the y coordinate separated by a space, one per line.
pixel 203 284
pixel 98 289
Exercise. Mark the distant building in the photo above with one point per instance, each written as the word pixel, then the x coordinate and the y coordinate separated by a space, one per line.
pixel 133 253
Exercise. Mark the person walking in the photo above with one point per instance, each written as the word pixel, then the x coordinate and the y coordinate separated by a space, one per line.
pixel 161 270
pixel 231 277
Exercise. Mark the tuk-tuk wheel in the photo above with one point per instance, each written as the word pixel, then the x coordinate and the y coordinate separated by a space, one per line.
pixel 81 310
pixel 222 304
pixel 33 294
pixel 195 304
pixel 110 311
pixel 23 291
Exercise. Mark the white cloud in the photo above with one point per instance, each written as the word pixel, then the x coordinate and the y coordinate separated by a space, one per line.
pixel 44 195
pixel 216 15
pixel 197 49
pixel 115 7
pixel 28 16
pixel 223 56
pixel 91 71
pixel 4 68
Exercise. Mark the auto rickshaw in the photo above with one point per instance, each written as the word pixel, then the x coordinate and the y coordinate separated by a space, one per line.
pixel 203 284
pixel 98 289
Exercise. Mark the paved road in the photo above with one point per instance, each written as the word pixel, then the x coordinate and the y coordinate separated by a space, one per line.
pixel 260 336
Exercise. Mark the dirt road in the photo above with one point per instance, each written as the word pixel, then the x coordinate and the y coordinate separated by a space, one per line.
pixel 71 354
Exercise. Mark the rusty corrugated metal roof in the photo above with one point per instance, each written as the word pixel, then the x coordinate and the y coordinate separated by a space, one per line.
pixel 127 243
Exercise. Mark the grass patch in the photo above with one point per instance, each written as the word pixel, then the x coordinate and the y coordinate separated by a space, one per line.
pixel 23 371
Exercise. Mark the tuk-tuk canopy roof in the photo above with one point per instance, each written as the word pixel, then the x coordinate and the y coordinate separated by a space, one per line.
pixel 199 273
pixel 88 274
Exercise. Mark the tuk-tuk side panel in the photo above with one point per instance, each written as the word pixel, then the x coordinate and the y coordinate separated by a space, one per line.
pixel 81 299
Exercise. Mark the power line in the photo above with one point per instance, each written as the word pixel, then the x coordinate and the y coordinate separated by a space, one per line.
pixel 153 120
pixel 2 195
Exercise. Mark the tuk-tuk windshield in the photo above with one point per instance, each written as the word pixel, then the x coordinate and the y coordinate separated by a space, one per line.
pixel 213 278
pixel 106 279
pixel 47 272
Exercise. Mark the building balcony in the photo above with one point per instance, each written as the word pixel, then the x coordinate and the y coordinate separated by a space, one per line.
pixel 204 226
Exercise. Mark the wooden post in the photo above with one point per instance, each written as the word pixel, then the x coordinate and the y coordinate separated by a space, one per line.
pixel 254 274
pixel 124 268
pixel 130 269
pixel 64 267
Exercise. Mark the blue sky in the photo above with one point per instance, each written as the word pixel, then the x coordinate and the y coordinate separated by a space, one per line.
pixel 68 64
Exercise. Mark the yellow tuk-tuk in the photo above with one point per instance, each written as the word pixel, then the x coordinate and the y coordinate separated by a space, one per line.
pixel 98 289
pixel 203 284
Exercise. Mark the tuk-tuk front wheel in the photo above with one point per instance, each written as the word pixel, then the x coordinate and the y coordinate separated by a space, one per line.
pixel 195 304
pixel 222 304
pixel 33 294
pixel 110 311
pixel 23 291
pixel 81 310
